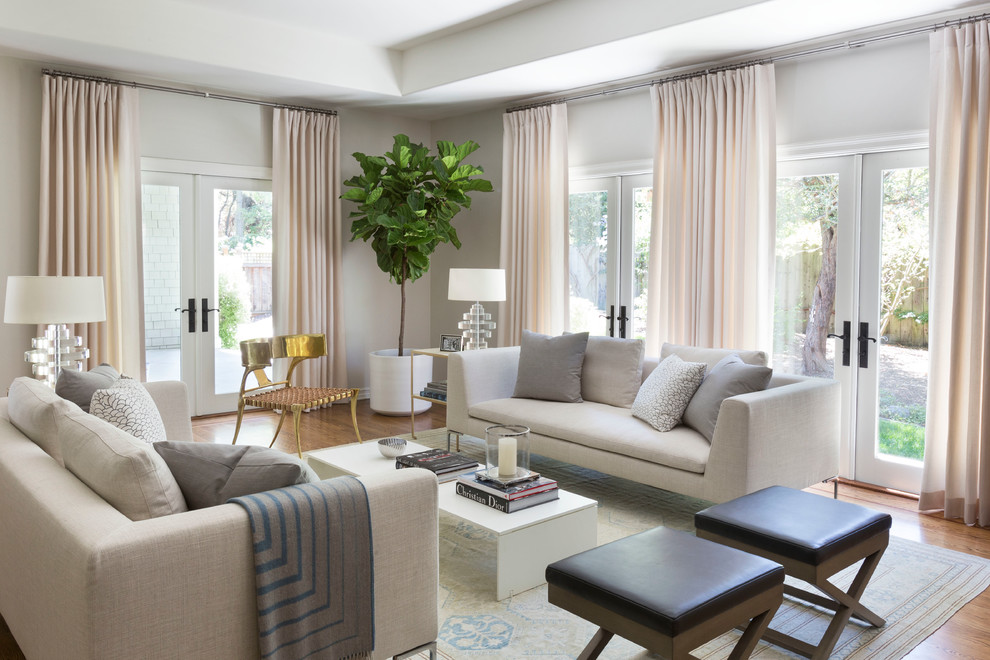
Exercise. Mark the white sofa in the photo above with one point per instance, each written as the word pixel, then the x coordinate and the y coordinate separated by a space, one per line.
pixel 785 435
pixel 81 580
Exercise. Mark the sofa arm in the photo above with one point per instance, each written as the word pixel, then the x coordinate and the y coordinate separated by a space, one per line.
pixel 172 399
pixel 183 586
pixel 787 436
pixel 476 376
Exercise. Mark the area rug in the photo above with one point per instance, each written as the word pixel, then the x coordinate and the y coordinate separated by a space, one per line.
pixel 916 587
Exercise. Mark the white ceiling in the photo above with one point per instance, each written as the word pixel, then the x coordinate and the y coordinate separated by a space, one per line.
pixel 431 58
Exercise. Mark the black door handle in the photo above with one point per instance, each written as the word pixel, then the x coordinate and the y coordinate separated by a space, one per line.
pixel 846 338
pixel 192 314
pixel 610 317
pixel 206 313
pixel 864 344
pixel 622 321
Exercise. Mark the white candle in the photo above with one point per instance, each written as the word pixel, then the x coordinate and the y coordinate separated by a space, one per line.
pixel 506 457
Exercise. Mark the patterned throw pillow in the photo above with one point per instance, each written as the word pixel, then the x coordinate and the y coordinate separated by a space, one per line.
pixel 129 407
pixel 667 391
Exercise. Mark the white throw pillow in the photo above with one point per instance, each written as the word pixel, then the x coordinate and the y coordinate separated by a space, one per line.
pixel 667 392
pixel 129 407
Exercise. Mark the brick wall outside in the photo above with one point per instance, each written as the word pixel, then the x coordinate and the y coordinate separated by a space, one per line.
pixel 160 220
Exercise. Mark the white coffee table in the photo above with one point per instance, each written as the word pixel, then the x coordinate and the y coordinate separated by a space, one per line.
pixel 527 540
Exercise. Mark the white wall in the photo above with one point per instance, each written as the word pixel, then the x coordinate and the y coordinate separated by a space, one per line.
pixel 20 130
pixel 869 91
pixel 477 228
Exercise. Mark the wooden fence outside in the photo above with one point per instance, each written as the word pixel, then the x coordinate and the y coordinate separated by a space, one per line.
pixel 796 280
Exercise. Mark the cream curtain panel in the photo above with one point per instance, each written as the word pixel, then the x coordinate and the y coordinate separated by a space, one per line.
pixel 711 243
pixel 90 215
pixel 956 475
pixel 534 231
pixel 307 278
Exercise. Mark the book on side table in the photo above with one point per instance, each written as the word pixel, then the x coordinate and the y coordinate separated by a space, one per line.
pixel 508 499
pixel 446 465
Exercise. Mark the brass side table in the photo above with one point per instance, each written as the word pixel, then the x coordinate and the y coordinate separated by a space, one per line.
pixel 413 395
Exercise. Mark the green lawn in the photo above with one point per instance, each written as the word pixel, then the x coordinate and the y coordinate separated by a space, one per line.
pixel 900 439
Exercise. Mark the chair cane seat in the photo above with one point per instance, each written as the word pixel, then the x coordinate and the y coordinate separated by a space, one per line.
pixel 307 397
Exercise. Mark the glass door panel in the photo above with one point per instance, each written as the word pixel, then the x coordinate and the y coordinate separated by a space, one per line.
pixel 816 268
pixel 235 273
pixel 637 198
pixel 610 220
pixel 207 280
pixel 852 265
pixel 894 320
pixel 592 205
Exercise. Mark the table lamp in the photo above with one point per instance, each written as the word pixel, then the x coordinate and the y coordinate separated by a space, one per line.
pixel 476 284
pixel 55 301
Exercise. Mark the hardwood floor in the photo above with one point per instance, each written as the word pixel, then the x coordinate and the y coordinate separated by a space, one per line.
pixel 963 636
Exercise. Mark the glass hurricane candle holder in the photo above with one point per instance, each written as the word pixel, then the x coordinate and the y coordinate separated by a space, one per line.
pixel 507 454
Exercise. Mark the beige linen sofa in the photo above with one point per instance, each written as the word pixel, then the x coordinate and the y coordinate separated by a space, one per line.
pixel 81 580
pixel 785 435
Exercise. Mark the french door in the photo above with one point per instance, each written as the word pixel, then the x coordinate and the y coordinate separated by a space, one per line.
pixel 852 303
pixel 609 251
pixel 207 280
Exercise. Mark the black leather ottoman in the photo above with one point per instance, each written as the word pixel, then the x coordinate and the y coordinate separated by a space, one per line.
pixel 813 538
pixel 667 591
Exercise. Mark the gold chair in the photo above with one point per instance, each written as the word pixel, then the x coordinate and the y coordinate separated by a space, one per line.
pixel 257 354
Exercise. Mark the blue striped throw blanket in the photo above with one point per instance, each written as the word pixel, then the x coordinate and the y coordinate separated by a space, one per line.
pixel 313 569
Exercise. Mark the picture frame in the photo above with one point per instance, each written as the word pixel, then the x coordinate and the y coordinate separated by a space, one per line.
pixel 450 343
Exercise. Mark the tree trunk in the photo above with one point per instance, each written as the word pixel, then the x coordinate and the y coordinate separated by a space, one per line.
pixel 814 362
pixel 402 306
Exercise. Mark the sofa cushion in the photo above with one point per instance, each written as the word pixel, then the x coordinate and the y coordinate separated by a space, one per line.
pixel 78 386
pixel 210 474
pixel 667 391
pixel 129 407
pixel 118 467
pixel 601 426
pixel 711 356
pixel 550 367
pixel 611 371
pixel 34 408
pixel 730 377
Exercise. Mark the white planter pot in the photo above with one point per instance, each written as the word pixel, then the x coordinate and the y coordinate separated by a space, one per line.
pixel 389 381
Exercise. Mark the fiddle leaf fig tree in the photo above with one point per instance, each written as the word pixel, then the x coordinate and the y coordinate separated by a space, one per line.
pixel 406 200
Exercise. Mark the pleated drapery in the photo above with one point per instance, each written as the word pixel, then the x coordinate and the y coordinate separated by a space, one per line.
pixel 711 244
pixel 534 231
pixel 307 278
pixel 90 216
pixel 956 475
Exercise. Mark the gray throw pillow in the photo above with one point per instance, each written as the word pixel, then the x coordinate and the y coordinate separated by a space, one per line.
pixel 210 474
pixel 612 371
pixel 667 391
pixel 730 377
pixel 79 386
pixel 550 367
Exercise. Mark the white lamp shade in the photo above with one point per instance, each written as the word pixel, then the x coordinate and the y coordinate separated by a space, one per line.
pixel 54 300
pixel 476 284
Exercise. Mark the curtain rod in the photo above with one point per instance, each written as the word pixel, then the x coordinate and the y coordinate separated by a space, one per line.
pixel 853 43
pixel 187 92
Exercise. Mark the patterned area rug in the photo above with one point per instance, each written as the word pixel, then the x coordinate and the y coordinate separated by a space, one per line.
pixel 916 588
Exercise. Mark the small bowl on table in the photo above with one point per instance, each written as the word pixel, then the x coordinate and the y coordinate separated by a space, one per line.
pixel 392 447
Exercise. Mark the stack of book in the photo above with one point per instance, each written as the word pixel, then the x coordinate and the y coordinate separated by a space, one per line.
pixel 446 465
pixel 507 498
pixel 435 389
